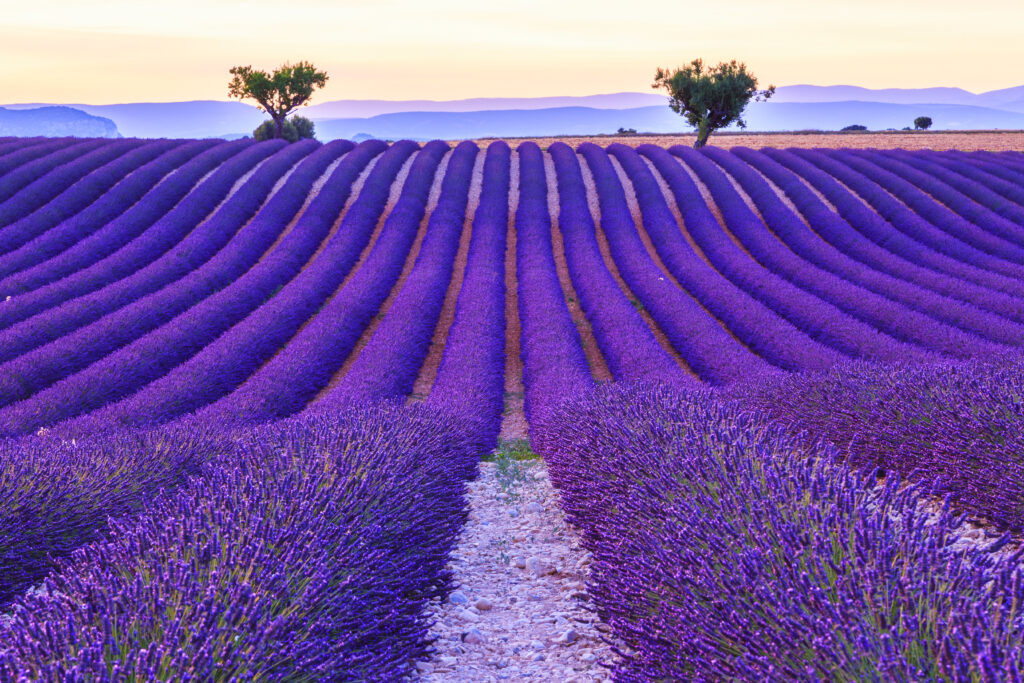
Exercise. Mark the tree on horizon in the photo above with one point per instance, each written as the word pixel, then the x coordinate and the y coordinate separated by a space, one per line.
pixel 279 93
pixel 710 98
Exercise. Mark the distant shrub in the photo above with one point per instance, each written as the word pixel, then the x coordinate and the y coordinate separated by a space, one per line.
pixel 304 127
pixel 923 122
pixel 294 129
pixel 856 126
pixel 626 131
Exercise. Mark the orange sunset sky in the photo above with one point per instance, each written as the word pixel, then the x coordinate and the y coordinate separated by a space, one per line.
pixel 134 50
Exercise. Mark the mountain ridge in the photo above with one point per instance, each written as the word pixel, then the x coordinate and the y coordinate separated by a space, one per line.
pixel 55 121
pixel 794 107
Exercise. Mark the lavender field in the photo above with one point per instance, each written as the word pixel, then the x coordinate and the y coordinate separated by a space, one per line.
pixel 243 386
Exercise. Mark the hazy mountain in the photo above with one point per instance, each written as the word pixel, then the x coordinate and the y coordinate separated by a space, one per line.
pixel 850 93
pixel 765 116
pixel 794 107
pixel 198 119
pixel 500 123
pixel 366 108
pixel 876 116
pixel 1010 99
pixel 55 122
pixel 995 98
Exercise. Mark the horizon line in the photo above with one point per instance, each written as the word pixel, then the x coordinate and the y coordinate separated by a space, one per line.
pixel 499 97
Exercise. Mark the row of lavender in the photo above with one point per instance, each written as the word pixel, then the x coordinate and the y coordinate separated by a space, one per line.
pixel 168 343
pixel 471 369
pixel 300 550
pixel 374 493
pixel 727 547
pixel 209 305
pixel 199 359
pixel 218 363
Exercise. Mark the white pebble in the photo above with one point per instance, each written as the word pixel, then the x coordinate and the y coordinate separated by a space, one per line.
pixel 567 637
pixel 473 637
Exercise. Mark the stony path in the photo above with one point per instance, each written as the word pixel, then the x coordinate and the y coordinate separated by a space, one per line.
pixel 518 611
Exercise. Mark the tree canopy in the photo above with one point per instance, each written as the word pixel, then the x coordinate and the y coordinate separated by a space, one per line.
pixel 279 93
pixel 710 98
pixel 923 122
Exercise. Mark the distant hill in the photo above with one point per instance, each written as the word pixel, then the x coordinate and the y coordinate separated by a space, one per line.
pixel 851 93
pixel 876 116
pixel 368 108
pixel 55 122
pixel 198 119
pixel 794 107
pixel 500 123
pixel 1010 99
pixel 766 116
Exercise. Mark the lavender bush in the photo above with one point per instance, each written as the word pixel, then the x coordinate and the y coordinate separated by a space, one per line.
pixel 708 349
pixel 26 150
pixel 387 366
pixel 815 312
pixel 81 192
pixel 993 193
pixel 290 380
pixel 470 380
pixel 27 187
pixel 950 207
pixel 111 377
pixel 752 323
pixel 32 269
pixel 863 235
pixel 224 363
pixel 875 185
pixel 306 552
pixel 167 232
pixel 957 424
pixel 905 310
pixel 107 205
pixel 554 363
pixel 629 347
pixel 57 494
pixel 726 548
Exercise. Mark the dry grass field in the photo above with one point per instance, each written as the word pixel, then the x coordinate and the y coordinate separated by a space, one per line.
pixel 995 141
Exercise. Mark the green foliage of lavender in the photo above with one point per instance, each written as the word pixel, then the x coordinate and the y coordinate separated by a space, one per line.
pixel 306 554
pixel 727 548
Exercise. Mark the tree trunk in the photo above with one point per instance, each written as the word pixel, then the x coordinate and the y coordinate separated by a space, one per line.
pixel 278 127
pixel 703 131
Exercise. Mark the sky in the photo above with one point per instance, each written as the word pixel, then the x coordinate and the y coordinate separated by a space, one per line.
pixel 137 50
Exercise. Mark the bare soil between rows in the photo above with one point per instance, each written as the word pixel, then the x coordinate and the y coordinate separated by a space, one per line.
pixel 963 140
